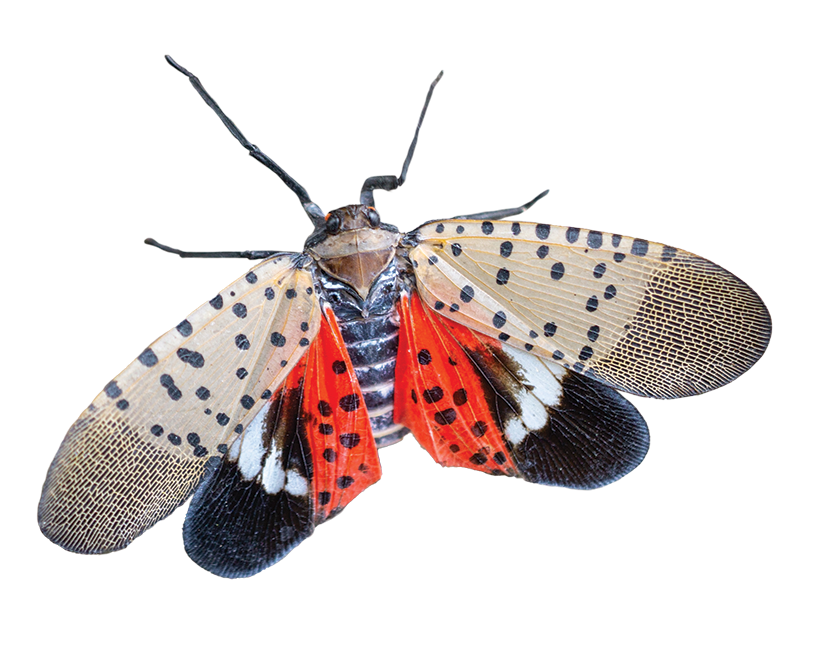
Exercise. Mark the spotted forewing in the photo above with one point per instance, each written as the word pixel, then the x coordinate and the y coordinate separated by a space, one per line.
pixel 642 317
pixel 142 445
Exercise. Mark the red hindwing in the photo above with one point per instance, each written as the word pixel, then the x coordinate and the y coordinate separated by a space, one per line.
pixel 345 459
pixel 307 453
pixel 438 393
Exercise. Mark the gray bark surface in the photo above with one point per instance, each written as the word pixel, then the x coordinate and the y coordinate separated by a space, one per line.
pixel 676 149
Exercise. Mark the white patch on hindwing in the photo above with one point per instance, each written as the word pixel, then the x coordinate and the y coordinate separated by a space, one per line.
pixel 541 389
pixel 273 478
pixel 296 484
pixel 249 450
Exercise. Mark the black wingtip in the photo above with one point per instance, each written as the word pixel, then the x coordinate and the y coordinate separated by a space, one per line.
pixel 235 529
pixel 177 66
pixel 207 69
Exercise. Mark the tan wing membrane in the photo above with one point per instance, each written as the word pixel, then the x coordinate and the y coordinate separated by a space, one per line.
pixel 642 317
pixel 141 447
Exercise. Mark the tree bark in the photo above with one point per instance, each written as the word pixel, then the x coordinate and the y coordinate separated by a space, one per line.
pixel 676 149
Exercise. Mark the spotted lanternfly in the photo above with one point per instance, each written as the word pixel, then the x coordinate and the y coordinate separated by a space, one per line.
pixel 500 345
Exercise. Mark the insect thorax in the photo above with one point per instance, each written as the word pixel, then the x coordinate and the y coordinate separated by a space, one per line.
pixel 354 247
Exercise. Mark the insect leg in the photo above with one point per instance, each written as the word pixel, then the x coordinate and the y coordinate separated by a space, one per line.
pixel 508 212
pixel 314 211
pixel 390 182
pixel 248 254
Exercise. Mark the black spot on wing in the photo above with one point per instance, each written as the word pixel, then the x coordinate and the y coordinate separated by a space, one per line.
pixel 594 239
pixel 148 358
pixel 640 247
pixel 668 253
pixel 112 390
pixel 194 359
pixel 184 328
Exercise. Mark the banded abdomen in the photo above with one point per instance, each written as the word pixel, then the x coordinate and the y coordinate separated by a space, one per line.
pixel 369 328
pixel 372 344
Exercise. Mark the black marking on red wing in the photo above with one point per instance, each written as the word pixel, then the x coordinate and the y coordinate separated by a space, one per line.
pixel 308 452
pixel 593 437
pixel 235 527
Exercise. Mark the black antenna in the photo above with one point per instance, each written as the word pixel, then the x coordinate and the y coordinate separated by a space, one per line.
pixel 390 182
pixel 206 68
pixel 314 211
pixel 507 212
